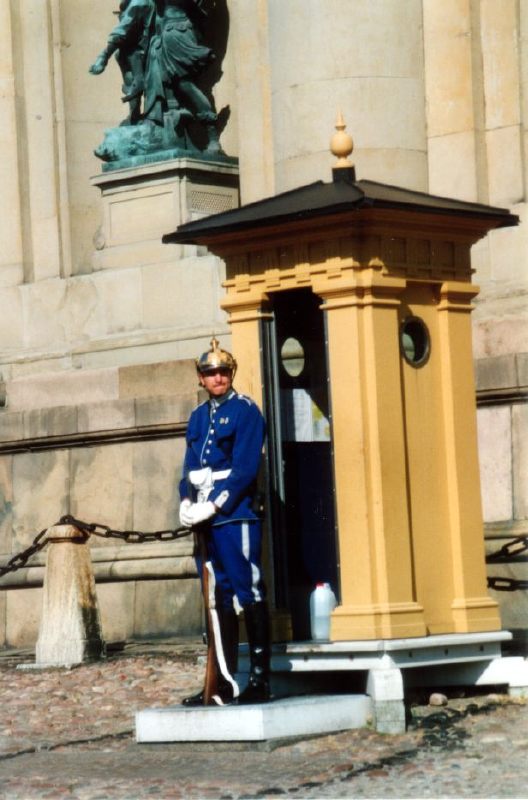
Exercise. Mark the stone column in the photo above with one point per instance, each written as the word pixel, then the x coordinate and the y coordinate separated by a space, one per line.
pixel 449 84
pixel 376 570
pixel 364 58
pixel 42 226
pixel 70 629
pixel 499 43
pixel 250 36
pixel 11 266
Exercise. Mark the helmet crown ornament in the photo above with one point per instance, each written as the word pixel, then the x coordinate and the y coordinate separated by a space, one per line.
pixel 215 358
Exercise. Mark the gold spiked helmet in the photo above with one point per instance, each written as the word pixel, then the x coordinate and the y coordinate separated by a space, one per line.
pixel 216 358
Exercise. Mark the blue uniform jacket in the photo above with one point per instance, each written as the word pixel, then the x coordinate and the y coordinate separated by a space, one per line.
pixel 226 435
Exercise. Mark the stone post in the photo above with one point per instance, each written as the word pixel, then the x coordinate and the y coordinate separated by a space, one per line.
pixel 70 628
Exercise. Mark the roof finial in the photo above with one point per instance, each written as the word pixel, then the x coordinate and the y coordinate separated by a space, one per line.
pixel 341 145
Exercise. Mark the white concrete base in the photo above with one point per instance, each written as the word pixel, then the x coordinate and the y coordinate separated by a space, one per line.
pixel 472 659
pixel 509 671
pixel 452 648
pixel 298 716
pixel 389 666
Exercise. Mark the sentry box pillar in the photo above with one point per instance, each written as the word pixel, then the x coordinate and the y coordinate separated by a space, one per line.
pixel 350 307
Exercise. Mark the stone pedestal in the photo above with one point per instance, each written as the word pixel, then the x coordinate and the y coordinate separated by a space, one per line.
pixel 70 629
pixel 140 204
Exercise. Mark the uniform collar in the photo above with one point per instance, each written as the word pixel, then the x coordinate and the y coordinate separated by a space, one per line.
pixel 216 402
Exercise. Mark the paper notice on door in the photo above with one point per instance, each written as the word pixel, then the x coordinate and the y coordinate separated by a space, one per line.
pixel 303 420
pixel 320 425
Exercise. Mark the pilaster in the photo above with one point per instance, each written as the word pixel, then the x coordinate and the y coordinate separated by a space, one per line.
pixel 11 267
pixel 42 243
pixel 472 608
pixel 368 435
pixel 449 99
pixel 245 313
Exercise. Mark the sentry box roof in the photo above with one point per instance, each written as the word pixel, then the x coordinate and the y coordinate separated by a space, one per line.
pixel 344 197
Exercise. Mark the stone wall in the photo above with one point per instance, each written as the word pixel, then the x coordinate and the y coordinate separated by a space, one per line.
pixel 112 456
pixel 67 299
pixel 502 386
pixel 98 319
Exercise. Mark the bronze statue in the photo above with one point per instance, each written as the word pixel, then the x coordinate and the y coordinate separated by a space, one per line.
pixel 176 58
pixel 129 40
pixel 161 55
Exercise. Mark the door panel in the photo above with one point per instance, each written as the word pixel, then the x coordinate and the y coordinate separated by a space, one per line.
pixel 300 452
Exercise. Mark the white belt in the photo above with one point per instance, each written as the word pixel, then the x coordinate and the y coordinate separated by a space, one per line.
pixel 222 473
pixel 203 480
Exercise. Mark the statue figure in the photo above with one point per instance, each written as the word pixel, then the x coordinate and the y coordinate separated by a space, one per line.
pixel 176 57
pixel 159 49
pixel 130 41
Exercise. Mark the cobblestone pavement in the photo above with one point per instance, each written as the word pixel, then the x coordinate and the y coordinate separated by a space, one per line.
pixel 69 734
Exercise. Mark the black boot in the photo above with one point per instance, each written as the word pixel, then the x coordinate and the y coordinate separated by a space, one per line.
pixel 227 687
pixel 194 699
pixel 226 692
pixel 197 699
pixel 258 631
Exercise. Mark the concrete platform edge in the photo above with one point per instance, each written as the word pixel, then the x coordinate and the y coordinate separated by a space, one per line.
pixel 284 718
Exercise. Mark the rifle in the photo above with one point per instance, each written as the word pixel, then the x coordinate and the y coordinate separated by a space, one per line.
pixel 211 669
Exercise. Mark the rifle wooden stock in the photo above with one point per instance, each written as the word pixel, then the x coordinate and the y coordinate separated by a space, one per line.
pixel 211 669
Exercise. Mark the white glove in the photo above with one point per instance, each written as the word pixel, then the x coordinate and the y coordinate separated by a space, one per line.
pixel 198 512
pixel 185 520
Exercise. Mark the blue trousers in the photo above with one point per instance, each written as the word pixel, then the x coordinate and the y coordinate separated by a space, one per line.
pixel 234 550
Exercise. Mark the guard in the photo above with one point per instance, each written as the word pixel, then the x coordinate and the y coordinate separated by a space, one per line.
pixel 225 436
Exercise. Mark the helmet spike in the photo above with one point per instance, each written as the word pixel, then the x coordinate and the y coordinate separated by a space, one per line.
pixel 215 358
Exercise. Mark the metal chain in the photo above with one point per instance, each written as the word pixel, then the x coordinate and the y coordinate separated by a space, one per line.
pixel 20 559
pixel 131 537
pixel 504 554
pixel 506 584
pixel 510 549
pixel 90 529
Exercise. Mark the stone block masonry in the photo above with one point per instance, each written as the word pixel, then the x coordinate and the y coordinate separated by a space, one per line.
pixel 115 461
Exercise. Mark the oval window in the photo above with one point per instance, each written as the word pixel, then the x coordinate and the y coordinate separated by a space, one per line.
pixel 292 357
pixel 415 342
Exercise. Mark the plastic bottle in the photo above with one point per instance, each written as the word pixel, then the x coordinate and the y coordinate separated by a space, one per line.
pixel 322 603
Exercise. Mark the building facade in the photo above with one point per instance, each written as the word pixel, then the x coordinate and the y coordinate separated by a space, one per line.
pixel 100 321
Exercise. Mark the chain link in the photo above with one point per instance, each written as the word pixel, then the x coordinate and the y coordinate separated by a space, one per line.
pixel 20 559
pixel 509 550
pixel 131 537
pixel 506 584
pixel 91 529
pixel 506 553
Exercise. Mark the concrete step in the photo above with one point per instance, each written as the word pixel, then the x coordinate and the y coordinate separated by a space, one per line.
pixel 294 716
